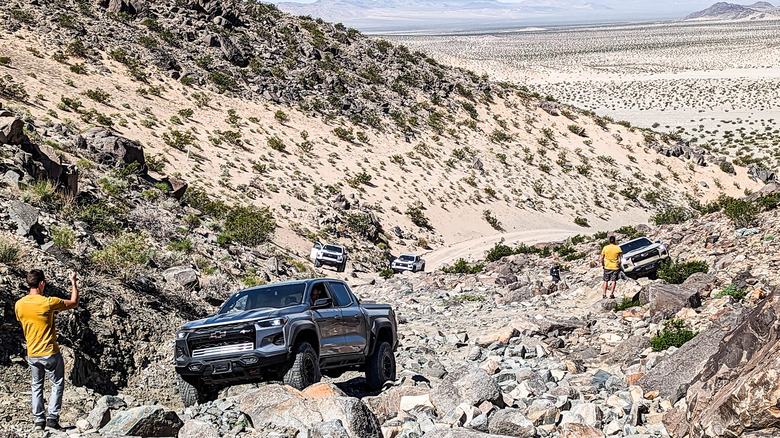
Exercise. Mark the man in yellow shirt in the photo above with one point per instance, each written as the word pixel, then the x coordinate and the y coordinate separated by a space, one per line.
pixel 36 313
pixel 610 261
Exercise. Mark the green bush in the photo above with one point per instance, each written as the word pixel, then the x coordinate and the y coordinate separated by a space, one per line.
pixel 123 257
pixel 732 290
pixel 9 252
pixel 103 217
pixel 417 217
pixel 742 213
pixel 769 202
pixel 276 144
pixel 581 221
pixel 182 245
pixel 386 273
pixel 98 95
pixel 671 215
pixel 249 225
pixel 63 237
pixel 198 199
pixel 674 334
pixel 627 303
pixel 499 251
pixel 344 133
pixel 461 266
pixel 222 81
pixel 677 272
pixel 630 232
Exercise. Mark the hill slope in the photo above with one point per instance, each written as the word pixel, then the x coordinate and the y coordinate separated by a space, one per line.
pixel 731 11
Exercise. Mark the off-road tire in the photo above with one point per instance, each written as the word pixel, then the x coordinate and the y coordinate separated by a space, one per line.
pixel 422 268
pixel 342 266
pixel 317 263
pixel 380 367
pixel 303 368
pixel 191 394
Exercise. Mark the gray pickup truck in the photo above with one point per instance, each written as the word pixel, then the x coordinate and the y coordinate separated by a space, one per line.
pixel 293 332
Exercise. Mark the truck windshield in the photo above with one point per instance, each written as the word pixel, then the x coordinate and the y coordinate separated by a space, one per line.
pixel 272 296
pixel 635 244
pixel 406 258
pixel 336 249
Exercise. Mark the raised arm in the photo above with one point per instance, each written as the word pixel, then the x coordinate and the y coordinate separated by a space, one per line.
pixel 73 302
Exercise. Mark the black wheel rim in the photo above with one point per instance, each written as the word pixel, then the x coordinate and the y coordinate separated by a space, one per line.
pixel 309 372
pixel 387 367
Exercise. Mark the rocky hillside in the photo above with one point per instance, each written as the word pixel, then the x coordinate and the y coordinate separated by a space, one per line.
pixel 343 137
pixel 731 11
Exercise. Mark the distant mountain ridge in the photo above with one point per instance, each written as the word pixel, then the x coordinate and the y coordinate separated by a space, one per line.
pixel 732 11
pixel 381 15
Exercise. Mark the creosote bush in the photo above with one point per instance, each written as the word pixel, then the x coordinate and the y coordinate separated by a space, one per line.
pixel 676 272
pixel 124 257
pixel 248 225
pixel 9 252
pixel 417 217
pixel 675 334
pixel 741 212
pixel 461 266
pixel 671 215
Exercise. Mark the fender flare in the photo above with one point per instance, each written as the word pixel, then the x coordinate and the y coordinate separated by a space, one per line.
pixel 296 328
pixel 377 325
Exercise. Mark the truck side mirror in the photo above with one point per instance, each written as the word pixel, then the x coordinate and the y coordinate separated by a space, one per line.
pixel 322 303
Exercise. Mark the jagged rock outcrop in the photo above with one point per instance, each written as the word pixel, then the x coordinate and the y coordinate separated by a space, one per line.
pixel 665 300
pixel 104 147
pixel 739 388
pixel 147 421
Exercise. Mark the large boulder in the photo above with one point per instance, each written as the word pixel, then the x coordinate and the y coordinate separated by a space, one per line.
pixel 469 385
pixel 674 374
pixel 198 429
pixel 283 406
pixel 104 147
pixel 738 390
pixel 667 299
pixel 460 433
pixel 11 129
pixel 147 421
pixel 764 175
pixel 182 276
pixel 511 422
pixel 100 415
pixel 25 217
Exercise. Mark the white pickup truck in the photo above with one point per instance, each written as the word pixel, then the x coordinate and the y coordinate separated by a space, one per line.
pixel 408 262
pixel 331 255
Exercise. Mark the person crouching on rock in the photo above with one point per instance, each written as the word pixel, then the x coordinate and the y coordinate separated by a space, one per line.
pixel 555 272
pixel 36 314
pixel 610 261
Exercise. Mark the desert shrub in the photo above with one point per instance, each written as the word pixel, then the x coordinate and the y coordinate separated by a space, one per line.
pixel 676 272
pixel 155 163
pixel 11 89
pixel 671 215
pixel 581 221
pixel 63 237
pixel 124 257
pixel 418 217
pixel 192 221
pixel 359 179
pixel 360 224
pixel 222 81
pixel 499 251
pixel 276 144
pixel 344 133
pixel 198 199
pixel 733 291
pixel 181 245
pixel 741 212
pixel 9 252
pixel 103 217
pixel 176 139
pixel 674 334
pixel 461 266
pixel 769 202
pixel 40 192
pixel 626 304
pixel 386 273
pixel 281 116
pixel 630 232
pixel 98 95
pixel 249 225
pixel 492 220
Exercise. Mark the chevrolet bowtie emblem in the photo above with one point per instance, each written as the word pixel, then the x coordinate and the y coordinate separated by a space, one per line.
pixel 217 335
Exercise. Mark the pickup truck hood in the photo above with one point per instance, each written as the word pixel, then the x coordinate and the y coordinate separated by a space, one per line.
pixel 642 249
pixel 231 318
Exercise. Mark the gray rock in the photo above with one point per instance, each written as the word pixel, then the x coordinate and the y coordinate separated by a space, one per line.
pixel 460 433
pixel 104 147
pixel 328 429
pixel 198 429
pixel 11 179
pixel 147 421
pixel 11 129
pixel 100 415
pixel 511 422
pixel 181 276
pixel 25 217
pixel 667 299
pixel 464 385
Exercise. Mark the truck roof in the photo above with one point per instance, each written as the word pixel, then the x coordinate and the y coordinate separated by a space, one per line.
pixel 307 282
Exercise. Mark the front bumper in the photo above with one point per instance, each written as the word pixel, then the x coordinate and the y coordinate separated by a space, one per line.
pixel 643 266
pixel 395 267
pixel 329 261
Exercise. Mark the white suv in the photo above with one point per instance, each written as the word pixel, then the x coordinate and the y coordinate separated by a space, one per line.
pixel 408 262
pixel 331 255
pixel 642 257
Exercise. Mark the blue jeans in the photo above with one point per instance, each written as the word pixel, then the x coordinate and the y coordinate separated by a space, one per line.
pixel 52 366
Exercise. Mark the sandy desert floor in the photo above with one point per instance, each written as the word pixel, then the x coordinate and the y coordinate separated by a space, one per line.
pixel 715 83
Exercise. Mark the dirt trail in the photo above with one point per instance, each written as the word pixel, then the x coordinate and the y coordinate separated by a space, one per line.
pixel 475 248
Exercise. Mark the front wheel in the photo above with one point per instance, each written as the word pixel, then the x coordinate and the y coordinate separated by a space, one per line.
pixel 317 263
pixel 192 394
pixel 304 367
pixel 380 367
pixel 342 266
pixel 422 268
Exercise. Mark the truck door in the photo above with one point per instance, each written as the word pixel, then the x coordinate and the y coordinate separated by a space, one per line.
pixel 328 319
pixel 354 323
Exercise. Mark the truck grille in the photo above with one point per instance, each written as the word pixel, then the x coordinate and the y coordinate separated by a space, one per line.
pixel 214 350
pixel 224 340
pixel 645 255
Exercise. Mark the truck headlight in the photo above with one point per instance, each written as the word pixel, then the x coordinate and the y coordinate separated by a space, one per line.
pixel 181 335
pixel 276 322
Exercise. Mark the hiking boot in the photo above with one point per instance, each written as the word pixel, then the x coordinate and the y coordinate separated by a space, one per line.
pixel 40 425
pixel 53 423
